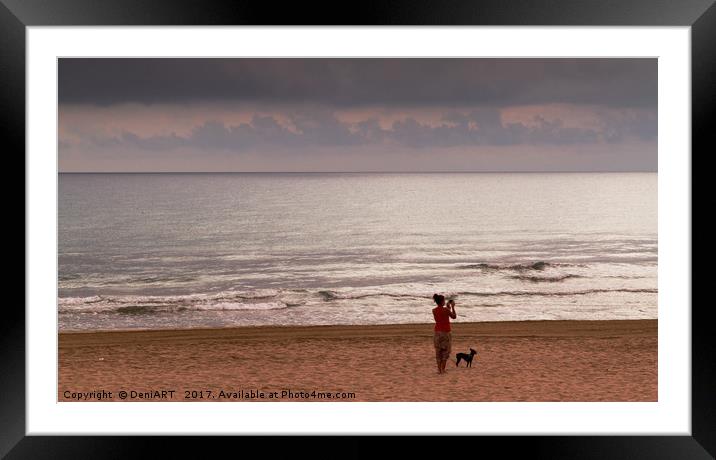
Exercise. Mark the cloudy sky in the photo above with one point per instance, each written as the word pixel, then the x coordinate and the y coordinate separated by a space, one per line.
pixel 357 114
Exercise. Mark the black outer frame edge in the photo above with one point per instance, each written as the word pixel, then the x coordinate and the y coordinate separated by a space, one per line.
pixel 703 139
pixel 538 12
pixel 566 447
pixel 12 132
pixel 384 12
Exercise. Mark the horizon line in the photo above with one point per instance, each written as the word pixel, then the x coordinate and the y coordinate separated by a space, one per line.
pixel 353 172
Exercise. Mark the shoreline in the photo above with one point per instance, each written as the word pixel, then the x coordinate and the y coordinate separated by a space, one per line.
pixel 598 360
pixel 488 325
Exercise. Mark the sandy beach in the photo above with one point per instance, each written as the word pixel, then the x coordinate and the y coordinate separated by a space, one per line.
pixel 516 361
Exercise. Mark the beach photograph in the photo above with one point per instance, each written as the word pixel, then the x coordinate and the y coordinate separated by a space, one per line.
pixel 357 230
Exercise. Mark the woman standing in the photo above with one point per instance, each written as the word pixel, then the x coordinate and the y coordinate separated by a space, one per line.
pixel 442 338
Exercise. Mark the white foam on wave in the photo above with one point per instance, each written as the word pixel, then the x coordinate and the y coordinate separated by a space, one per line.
pixel 225 300
pixel 228 306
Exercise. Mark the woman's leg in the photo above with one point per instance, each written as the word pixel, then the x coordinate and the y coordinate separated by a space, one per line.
pixel 437 351
pixel 447 348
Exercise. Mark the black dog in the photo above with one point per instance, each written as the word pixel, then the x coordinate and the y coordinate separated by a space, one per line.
pixel 466 356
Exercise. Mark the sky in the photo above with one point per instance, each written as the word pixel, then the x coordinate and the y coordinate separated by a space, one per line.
pixel 357 114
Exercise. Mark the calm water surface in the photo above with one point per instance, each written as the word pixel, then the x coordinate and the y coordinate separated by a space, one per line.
pixel 215 250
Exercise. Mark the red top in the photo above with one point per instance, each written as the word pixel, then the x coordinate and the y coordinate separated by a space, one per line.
pixel 442 319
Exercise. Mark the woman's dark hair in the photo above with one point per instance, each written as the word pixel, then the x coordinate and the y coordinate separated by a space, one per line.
pixel 439 298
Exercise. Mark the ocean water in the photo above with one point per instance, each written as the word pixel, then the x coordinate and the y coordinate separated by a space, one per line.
pixel 220 250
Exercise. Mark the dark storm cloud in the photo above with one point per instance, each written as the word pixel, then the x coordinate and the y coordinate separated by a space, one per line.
pixel 320 129
pixel 360 82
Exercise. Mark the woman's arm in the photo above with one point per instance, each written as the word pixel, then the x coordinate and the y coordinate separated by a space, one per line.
pixel 453 315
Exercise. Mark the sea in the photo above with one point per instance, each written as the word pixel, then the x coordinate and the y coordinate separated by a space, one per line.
pixel 199 250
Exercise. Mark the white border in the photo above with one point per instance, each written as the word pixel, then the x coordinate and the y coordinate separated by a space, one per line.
pixel 670 415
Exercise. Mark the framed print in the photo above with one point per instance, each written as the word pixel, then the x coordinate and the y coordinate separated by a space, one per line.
pixel 397 227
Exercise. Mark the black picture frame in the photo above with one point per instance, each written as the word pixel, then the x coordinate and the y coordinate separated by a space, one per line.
pixel 16 15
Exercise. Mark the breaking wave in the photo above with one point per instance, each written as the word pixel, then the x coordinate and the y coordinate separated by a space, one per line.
pixel 540 265
pixel 141 305
pixel 544 279
pixel 236 301
pixel 333 295
pixel 555 293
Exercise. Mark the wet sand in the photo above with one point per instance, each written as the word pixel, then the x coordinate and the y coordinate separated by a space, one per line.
pixel 516 361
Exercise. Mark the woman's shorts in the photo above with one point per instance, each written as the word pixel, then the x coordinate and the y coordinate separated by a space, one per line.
pixel 443 344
